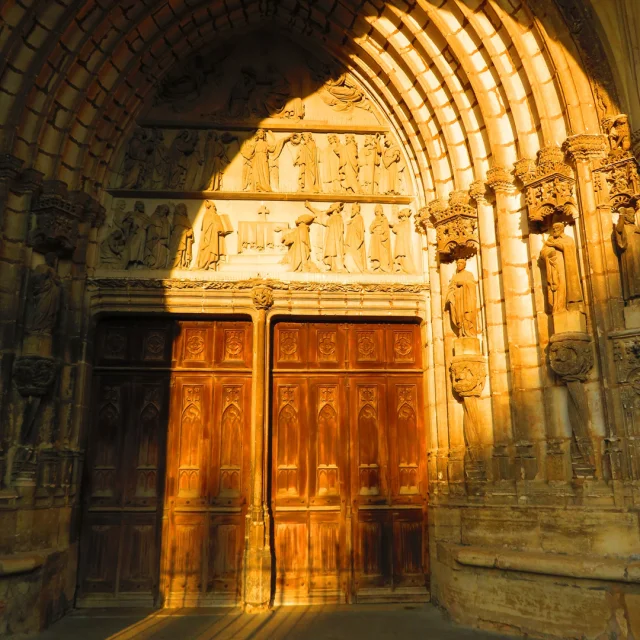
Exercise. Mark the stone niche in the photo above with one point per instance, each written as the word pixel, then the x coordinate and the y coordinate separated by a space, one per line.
pixel 258 158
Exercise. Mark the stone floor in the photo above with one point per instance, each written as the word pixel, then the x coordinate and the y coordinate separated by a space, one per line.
pixel 308 623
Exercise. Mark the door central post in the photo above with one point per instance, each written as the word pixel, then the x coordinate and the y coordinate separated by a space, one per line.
pixel 257 554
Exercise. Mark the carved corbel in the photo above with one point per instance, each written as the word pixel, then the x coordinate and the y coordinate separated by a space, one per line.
pixel 549 187
pixel 468 377
pixel 456 224
pixel 571 358
pixel 262 298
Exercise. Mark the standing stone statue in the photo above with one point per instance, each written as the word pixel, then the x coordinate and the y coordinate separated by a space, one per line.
pixel 307 163
pixel 260 154
pixel 182 155
pixel 138 160
pixel 215 162
pixel 403 252
pixel 626 240
pixel 135 227
pixel 180 247
pixel 563 278
pixel 355 255
pixel 371 153
pixel 158 238
pixel 331 165
pixel 391 161
pixel 333 249
pixel 380 244
pixel 113 246
pixel 462 300
pixel 299 254
pixel 212 243
pixel 44 297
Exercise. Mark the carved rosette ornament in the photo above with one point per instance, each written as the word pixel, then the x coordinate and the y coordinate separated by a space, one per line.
pixel 262 298
pixel 456 224
pixel 571 358
pixel 549 186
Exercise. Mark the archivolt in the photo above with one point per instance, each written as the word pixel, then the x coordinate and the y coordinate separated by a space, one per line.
pixel 469 83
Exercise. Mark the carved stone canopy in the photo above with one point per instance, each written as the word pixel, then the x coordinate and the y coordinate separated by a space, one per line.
pixel 548 185
pixel 57 216
pixel 456 224
pixel 34 375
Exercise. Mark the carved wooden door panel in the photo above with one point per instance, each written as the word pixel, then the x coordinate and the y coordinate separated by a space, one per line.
pixel 348 471
pixel 125 465
pixel 208 464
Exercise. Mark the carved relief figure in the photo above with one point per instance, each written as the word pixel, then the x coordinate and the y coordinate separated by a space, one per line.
pixel 371 155
pixel 626 239
pixel 212 242
pixel 181 238
pixel 113 246
pixel 619 133
pixel 462 300
pixel 355 255
pixel 563 278
pixel 261 97
pixel 307 163
pixel 241 91
pixel 343 94
pixel 138 160
pixel 299 255
pixel 333 250
pixel 403 253
pixel 135 226
pixel 258 153
pixel 215 160
pixel 158 237
pixel 331 165
pixel 44 297
pixel 380 244
pixel 348 168
pixel 391 159
pixel 182 160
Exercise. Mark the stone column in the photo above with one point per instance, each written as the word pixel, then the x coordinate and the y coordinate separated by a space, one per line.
pixel 527 397
pixel 257 555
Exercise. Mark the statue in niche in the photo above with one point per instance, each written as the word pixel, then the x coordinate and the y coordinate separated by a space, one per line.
pixel 212 239
pixel 563 278
pixel 113 246
pixel 135 225
pixel 355 254
pixel 158 238
pixel 215 160
pixel 380 243
pixel 44 297
pixel 462 300
pixel 348 167
pixel 182 160
pixel 260 153
pixel 307 163
pixel 138 160
pixel 391 160
pixel 299 243
pixel 343 94
pixel 403 252
pixel 371 154
pixel 626 240
pixel 181 244
pixel 333 248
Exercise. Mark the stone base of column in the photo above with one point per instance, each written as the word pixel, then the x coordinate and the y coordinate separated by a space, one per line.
pixel 257 580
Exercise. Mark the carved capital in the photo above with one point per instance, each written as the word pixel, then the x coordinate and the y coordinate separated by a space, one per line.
pixel 34 375
pixel 478 191
pixel 468 375
pixel 548 185
pixel 500 180
pixel 456 224
pixel 585 147
pixel 262 297
pixel 571 356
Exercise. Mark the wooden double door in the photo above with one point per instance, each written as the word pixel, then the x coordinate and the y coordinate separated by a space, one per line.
pixel 348 487
pixel 167 472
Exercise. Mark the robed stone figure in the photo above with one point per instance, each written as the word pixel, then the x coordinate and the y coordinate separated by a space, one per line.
pixel 626 240
pixel 181 238
pixel 462 300
pixel 355 255
pixel 563 277
pixel 380 243
pixel 299 243
pixel 403 253
pixel 212 243
pixel 44 298
pixel 333 249
pixel 158 238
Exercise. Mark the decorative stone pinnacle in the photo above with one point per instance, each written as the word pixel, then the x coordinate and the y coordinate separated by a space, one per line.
pixel 500 180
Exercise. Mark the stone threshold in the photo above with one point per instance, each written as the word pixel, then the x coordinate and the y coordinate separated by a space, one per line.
pixel 583 567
